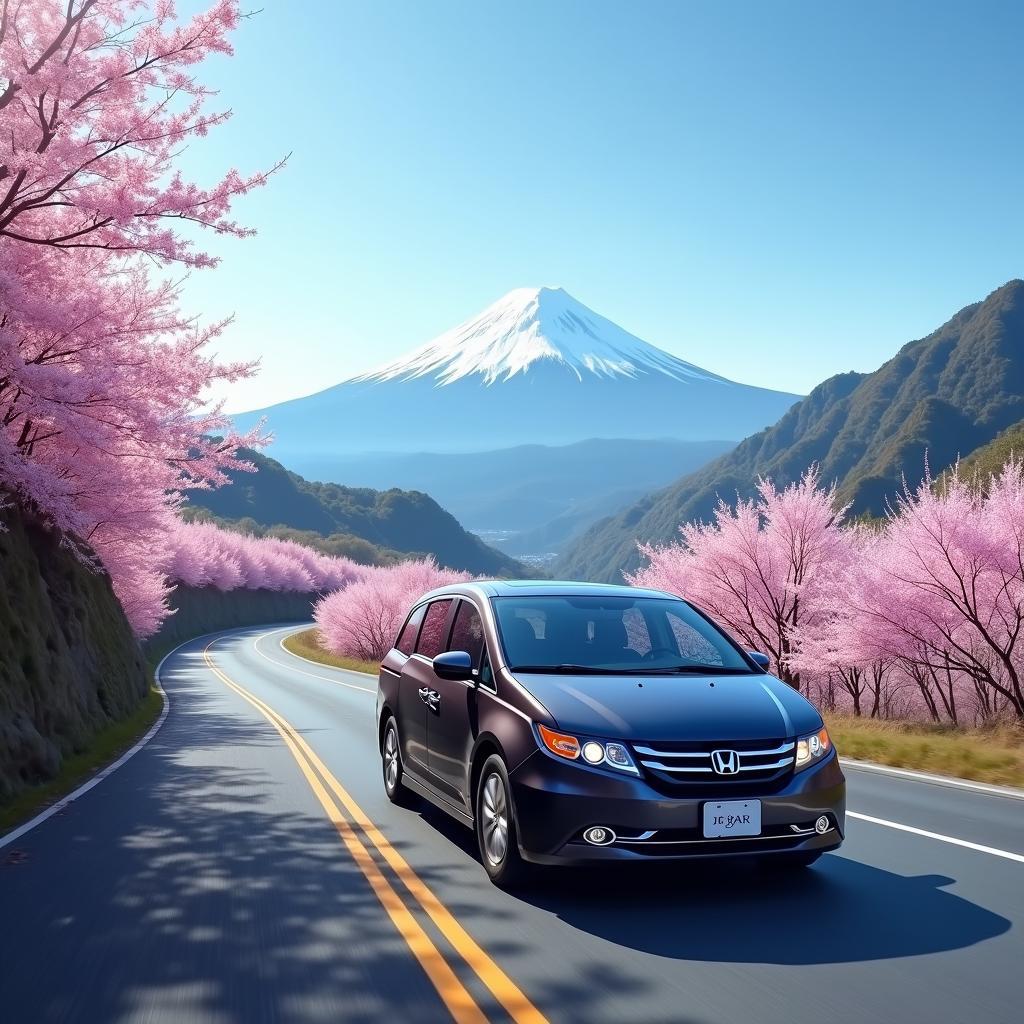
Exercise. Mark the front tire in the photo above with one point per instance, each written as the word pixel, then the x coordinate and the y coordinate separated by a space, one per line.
pixel 496 827
pixel 391 765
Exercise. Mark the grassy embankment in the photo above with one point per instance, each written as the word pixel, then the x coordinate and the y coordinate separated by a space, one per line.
pixel 306 645
pixel 983 755
pixel 993 755
pixel 104 748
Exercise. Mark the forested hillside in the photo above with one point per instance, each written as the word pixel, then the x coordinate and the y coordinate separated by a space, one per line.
pixel 939 398
pixel 391 522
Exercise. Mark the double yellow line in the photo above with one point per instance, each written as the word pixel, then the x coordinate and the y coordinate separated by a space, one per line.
pixel 344 813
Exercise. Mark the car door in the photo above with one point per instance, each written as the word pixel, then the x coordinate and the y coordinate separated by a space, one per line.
pixel 418 688
pixel 411 713
pixel 452 721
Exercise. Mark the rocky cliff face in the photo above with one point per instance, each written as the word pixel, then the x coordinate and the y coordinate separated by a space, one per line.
pixel 69 664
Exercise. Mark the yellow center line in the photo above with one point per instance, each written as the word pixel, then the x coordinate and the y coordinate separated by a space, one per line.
pixel 508 994
pixel 453 993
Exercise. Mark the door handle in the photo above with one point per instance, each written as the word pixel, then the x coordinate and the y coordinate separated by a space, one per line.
pixel 430 697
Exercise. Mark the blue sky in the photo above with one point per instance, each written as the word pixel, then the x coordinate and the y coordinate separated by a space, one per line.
pixel 774 191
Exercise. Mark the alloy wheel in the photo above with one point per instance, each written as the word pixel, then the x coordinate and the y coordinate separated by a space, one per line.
pixel 494 811
pixel 391 763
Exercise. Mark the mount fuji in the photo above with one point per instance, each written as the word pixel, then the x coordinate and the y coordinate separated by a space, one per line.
pixel 528 422
pixel 536 367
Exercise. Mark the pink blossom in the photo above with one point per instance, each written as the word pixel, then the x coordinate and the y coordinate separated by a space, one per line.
pixel 204 555
pixel 362 621
pixel 760 569
pixel 103 381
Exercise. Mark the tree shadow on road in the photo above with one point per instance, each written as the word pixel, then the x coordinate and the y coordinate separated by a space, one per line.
pixel 199 883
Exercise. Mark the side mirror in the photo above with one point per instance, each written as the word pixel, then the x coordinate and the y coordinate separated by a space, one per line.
pixel 454 665
pixel 759 659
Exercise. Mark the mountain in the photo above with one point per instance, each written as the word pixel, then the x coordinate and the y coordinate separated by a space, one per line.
pixel 989 459
pixel 537 367
pixel 408 522
pixel 532 497
pixel 941 396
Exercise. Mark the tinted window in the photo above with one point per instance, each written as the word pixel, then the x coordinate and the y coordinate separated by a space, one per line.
pixel 431 642
pixel 407 638
pixel 612 634
pixel 468 632
pixel 691 642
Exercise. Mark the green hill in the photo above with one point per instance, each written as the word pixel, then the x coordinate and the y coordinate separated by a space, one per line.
pixel 942 396
pixel 362 523
pixel 989 459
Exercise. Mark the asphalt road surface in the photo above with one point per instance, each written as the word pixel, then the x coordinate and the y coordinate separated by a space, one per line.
pixel 245 866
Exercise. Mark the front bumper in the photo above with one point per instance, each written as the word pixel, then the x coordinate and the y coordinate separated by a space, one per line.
pixel 555 801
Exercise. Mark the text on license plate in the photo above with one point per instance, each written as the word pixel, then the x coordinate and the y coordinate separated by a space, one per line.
pixel 732 818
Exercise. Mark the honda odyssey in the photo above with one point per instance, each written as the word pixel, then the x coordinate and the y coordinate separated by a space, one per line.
pixel 570 722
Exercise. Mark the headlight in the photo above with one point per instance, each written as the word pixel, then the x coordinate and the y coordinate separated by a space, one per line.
pixel 592 752
pixel 811 749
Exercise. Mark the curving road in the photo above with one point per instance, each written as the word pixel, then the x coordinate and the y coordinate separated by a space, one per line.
pixel 245 866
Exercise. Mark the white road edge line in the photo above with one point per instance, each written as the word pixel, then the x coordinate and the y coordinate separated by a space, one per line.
pixel 298 657
pixel 66 801
pixel 1019 857
pixel 937 780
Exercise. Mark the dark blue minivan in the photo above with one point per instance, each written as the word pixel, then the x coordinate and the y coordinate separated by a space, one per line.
pixel 570 722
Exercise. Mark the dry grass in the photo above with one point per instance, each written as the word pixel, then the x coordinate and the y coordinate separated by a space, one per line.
pixel 993 755
pixel 307 645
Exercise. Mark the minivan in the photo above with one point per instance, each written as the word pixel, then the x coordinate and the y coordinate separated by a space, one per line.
pixel 577 722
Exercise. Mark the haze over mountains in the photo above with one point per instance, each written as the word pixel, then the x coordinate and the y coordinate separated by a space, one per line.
pixel 537 369
pixel 945 395
pixel 368 525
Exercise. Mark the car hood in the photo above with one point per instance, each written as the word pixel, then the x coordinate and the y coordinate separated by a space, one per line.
pixel 684 707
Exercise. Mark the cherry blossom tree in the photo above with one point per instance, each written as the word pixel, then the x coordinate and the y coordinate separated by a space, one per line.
pixel 835 649
pixel 763 568
pixel 362 620
pixel 949 592
pixel 204 555
pixel 103 380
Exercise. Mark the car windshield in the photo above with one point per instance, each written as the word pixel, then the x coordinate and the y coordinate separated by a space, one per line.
pixel 612 635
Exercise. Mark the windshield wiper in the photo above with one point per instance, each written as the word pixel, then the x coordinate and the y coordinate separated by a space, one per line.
pixel 574 670
pixel 698 670
pixel 599 670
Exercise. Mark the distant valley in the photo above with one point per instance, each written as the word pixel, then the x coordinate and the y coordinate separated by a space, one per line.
pixel 530 500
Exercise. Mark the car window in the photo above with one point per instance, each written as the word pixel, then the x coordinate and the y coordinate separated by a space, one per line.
pixel 468 632
pixel 431 641
pixel 406 641
pixel 638 636
pixel 693 644
pixel 610 634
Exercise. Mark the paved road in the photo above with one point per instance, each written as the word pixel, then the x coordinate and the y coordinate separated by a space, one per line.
pixel 216 878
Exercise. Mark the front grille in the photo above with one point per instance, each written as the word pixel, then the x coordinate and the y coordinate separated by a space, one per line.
pixel 738 763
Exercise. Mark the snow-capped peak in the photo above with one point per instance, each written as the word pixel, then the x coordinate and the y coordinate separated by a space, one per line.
pixel 530 325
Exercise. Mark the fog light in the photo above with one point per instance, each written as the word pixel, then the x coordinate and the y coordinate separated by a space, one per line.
pixel 821 825
pixel 593 752
pixel 598 835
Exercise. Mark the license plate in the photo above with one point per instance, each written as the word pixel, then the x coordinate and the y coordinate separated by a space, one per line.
pixel 732 818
